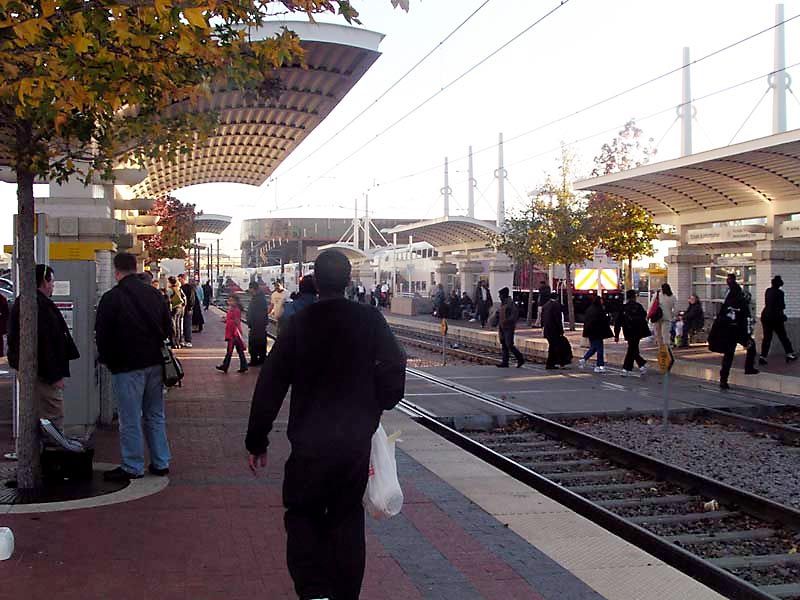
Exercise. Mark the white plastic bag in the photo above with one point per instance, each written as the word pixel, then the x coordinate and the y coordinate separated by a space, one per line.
pixel 383 496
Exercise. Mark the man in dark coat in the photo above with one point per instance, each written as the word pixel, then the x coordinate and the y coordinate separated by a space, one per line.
pixel 543 298
pixel 130 328
pixel 257 322
pixel 191 299
pixel 773 319
pixel 553 330
pixel 208 292
pixel 54 350
pixel 345 368
pixel 4 314
pixel 483 302
pixel 730 329
pixel 632 319
pixel 506 326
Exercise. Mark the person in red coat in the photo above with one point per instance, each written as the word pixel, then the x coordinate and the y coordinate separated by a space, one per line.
pixel 233 335
pixel 4 313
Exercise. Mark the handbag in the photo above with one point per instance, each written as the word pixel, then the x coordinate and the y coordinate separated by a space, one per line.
pixel 171 367
pixel 656 313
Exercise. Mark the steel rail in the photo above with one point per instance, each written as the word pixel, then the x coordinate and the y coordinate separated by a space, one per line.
pixel 708 573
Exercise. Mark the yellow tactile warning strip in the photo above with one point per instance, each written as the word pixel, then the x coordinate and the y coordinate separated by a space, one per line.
pixel 610 565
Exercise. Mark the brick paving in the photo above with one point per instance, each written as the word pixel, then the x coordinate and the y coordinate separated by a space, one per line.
pixel 216 532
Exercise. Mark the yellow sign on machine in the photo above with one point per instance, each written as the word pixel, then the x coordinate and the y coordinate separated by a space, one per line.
pixel 594 279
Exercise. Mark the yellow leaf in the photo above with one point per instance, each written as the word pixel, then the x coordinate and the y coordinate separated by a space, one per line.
pixel 163 6
pixel 48 8
pixel 195 16
pixel 81 43
pixel 30 30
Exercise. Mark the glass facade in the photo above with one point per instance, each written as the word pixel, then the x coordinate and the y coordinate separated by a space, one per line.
pixel 708 282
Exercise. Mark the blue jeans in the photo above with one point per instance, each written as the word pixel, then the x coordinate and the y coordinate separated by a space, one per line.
pixel 187 325
pixel 140 396
pixel 595 346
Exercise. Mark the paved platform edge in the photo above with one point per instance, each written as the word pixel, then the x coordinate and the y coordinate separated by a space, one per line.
pixel 606 563
pixel 537 348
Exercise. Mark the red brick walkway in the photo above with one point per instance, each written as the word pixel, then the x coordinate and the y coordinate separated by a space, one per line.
pixel 216 532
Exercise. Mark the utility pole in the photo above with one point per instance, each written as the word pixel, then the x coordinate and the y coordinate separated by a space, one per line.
pixel 686 110
pixel 779 79
pixel 501 174
pixel 356 225
pixel 446 191
pixel 472 184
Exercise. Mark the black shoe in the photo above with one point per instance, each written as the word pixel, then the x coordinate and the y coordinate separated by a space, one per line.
pixel 751 371
pixel 242 370
pixel 155 471
pixel 221 368
pixel 120 474
pixel 763 361
pixel 550 368
pixel 723 385
pixel 520 362
pixel 502 366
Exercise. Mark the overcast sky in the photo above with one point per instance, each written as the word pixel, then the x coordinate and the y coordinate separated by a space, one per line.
pixel 586 51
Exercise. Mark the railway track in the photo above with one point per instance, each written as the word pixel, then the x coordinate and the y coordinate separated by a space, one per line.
pixel 742 545
pixel 775 418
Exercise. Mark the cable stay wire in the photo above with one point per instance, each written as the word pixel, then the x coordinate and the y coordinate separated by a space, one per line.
pixel 752 112
pixel 614 97
pixel 663 137
pixel 444 88
pixel 387 90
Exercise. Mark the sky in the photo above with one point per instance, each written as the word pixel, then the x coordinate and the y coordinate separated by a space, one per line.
pixel 533 91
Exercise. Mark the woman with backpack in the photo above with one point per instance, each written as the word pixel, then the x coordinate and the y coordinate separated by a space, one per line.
pixel 662 314
pixel 233 335
pixel 596 327
pixel 632 319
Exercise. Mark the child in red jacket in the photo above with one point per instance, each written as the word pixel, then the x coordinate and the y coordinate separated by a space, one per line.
pixel 233 335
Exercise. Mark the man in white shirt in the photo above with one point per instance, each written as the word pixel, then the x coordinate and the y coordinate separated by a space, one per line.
pixel 277 299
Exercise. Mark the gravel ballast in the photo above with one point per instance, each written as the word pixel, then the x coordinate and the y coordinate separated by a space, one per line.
pixel 758 464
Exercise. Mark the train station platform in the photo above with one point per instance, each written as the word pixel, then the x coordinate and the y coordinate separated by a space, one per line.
pixel 467 531
pixel 696 362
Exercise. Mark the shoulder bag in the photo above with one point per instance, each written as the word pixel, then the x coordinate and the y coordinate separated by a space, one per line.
pixel 171 368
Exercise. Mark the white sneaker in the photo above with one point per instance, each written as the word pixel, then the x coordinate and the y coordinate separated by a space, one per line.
pixel 187 345
pixel 599 369
pixel 626 373
pixel 643 369
pixel 581 363
pixel 472 320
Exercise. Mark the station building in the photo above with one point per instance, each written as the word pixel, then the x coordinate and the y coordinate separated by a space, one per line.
pixel 730 210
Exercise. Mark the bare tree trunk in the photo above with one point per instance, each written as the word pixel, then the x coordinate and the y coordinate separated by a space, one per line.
pixel 530 294
pixel 629 274
pixel 570 300
pixel 28 468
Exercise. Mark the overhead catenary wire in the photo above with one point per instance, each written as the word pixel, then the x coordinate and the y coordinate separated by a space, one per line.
pixel 615 96
pixel 389 89
pixel 438 92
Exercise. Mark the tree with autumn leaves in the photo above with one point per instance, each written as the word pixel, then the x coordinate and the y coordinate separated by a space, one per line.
pixel 176 221
pixel 624 229
pixel 87 85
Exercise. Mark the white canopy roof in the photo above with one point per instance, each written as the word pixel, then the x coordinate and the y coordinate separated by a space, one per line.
pixel 214 224
pixel 450 233
pixel 253 138
pixel 752 177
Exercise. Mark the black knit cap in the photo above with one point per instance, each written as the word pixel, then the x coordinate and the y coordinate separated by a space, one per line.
pixel 777 281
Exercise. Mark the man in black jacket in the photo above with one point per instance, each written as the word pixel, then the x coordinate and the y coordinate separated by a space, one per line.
pixel 191 299
pixel 773 320
pixel 553 329
pixel 55 348
pixel 344 367
pixel 131 325
pixel 257 324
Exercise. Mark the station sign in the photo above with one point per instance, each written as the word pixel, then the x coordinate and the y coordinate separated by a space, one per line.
pixel 722 235
pixel 790 229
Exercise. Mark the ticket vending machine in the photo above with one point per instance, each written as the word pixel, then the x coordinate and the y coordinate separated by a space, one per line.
pixel 75 295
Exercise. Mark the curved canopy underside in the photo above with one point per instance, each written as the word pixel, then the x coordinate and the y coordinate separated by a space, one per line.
pixel 253 138
pixel 214 224
pixel 450 233
pixel 752 174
